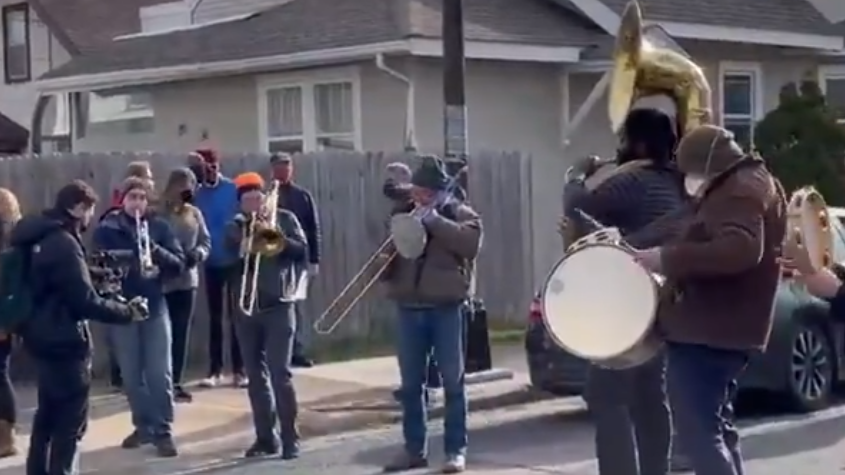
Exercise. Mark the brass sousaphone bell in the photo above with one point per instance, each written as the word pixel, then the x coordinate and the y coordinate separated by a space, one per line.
pixel 808 227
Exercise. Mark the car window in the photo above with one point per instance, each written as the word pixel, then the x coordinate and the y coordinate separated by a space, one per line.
pixel 838 242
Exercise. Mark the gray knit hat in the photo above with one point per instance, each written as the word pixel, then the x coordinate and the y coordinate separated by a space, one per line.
pixel 431 174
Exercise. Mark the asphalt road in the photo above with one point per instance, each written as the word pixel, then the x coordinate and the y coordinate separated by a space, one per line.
pixel 547 438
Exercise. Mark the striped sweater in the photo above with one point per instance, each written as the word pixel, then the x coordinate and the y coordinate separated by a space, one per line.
pixel 647 205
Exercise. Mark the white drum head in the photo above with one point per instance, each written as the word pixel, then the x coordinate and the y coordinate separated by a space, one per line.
pixel 409 235
pixel 598 302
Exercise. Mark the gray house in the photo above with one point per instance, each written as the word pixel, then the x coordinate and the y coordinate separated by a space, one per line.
pixel 365 74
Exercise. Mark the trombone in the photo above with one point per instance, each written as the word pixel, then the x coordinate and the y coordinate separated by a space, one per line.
pixel 407 228
pixel 261 238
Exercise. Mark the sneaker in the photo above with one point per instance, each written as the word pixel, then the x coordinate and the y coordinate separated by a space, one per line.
pixel 165 446
pixel 211 382
pixel 134 440
pixel 454 464
pixel 290 451
pixel 299 361
pixel 404 462
pixel 240 381
pixel 262 448
pixel 180 395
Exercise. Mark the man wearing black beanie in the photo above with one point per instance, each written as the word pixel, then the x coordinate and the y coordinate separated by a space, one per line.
pixel 630 407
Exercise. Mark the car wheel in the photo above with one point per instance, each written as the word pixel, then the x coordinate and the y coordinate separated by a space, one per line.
pixel 811 368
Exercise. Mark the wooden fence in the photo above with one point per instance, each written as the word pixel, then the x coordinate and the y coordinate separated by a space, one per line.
pixel 347 190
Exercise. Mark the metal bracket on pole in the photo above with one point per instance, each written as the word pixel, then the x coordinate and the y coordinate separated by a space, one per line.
pixel 585 108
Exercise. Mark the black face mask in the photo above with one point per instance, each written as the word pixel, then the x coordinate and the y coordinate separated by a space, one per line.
pixel 187 196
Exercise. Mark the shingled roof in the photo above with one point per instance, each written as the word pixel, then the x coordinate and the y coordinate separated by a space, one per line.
pixel 303 25
pixel 795 16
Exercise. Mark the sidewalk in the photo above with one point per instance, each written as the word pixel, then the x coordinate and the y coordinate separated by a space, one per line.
pixel 217 426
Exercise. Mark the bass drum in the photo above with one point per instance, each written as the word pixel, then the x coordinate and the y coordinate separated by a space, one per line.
pixel 600 304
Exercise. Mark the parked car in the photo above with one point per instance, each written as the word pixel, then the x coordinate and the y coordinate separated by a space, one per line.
pixel 804 361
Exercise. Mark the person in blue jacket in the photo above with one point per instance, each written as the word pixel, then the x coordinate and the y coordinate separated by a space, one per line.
pixel 217 199
pixel 143 348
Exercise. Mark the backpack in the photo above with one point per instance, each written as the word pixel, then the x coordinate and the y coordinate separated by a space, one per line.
pixel 17 299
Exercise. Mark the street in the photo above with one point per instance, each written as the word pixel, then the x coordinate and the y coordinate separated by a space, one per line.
pixel 550 437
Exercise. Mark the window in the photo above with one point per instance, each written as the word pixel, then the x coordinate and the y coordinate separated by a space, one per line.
pixel 16 43
pixel 120 113
pixel 832 84
pixel 741 110
pixel 310 116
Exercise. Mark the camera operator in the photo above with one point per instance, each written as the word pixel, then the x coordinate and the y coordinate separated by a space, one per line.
pixel 56 333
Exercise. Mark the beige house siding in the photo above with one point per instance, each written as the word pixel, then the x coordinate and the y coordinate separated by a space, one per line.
pixel 17 101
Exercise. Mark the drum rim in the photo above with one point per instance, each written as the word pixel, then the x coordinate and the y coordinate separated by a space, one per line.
pixel 556 340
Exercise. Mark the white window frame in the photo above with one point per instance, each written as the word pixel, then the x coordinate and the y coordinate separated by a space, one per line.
pixel 306 81
pixel 827 72
pixel 755 72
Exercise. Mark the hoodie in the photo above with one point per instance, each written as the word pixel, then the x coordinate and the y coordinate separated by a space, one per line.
pixel 64 297
pixel 219 205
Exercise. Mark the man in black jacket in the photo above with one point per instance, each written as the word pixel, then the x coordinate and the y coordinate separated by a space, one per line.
pixel 299 201
pixel 57 334
pixel 630 407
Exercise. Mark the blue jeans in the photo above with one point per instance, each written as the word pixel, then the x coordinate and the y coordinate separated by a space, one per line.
pixel 143 353
pixel 702 383
pixel 422 332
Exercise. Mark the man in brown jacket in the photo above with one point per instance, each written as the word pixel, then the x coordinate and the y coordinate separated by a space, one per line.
pixel 430 292
pixel 722 273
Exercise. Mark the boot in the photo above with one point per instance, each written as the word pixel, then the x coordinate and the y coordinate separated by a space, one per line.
pixel 7 440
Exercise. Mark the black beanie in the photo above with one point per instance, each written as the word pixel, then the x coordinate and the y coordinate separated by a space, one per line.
pixel 654 129
pixel 431 174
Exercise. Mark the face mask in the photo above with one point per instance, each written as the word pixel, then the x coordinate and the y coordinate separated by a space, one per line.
pixel 693 184
pixel 187 196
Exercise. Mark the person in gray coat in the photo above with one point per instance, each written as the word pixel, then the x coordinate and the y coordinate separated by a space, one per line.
pixel 267 332
pixel 180 291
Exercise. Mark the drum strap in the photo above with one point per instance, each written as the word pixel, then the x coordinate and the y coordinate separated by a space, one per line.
pixel 747 162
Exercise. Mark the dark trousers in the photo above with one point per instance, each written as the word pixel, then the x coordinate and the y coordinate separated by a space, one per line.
pixel 702 385
pixel 267 345
pixel 8 408
pixel 217 282
pixel 298 346
pixel 180 306
pixel 61 418
pixel 632 420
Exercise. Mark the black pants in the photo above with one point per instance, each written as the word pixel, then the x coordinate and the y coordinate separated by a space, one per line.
pixel 180 306
pixel 631 415
pixel 217 282
pixel 8 408
pixel 115 377
pixel 61 418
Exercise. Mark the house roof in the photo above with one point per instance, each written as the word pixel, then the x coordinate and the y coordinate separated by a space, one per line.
pixel 795 16
pixel 84 25
pixel 14 138
pixel 303 25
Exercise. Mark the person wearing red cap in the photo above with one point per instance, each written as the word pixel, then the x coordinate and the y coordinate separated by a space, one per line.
pixel 267 332
pixel 217 199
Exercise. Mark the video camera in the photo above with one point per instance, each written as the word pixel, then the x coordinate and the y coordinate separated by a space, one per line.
pixel 108 268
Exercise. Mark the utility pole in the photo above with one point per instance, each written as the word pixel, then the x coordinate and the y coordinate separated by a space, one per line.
pixel 477 336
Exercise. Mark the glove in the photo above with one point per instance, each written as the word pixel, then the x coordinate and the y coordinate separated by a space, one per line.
pixel 139 309
pixel 193 257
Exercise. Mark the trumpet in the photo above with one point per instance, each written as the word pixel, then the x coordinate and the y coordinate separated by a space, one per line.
pixel 260 238
pixel 145 255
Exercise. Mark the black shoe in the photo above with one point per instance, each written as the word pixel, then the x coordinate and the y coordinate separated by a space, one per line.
pixel 165 447
pixel 404 462
pixel 262 448
pixel 180 395
pixel 290 451
pixel 300 361
pixel 134 440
